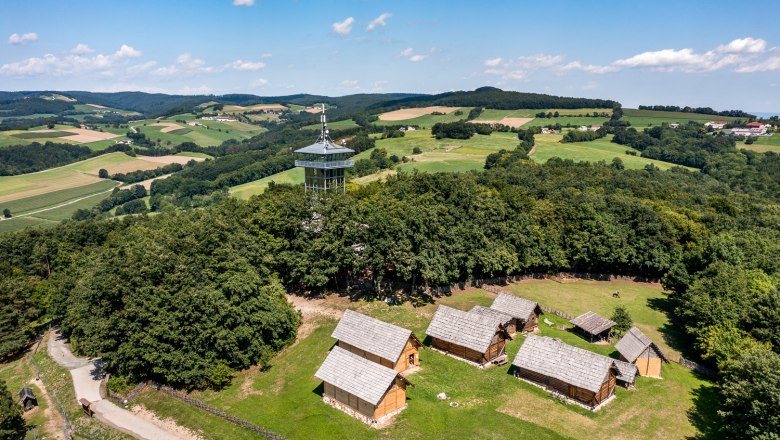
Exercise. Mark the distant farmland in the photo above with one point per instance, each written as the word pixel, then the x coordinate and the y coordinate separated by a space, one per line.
pixel 644 118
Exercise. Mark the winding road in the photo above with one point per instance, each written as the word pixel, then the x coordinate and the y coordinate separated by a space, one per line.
pixel 87 377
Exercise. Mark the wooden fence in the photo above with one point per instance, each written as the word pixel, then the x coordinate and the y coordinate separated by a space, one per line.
pixel 219 413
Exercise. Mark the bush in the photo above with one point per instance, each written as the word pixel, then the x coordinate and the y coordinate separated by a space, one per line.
pixel 416 150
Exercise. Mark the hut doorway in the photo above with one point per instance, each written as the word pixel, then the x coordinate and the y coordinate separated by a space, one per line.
pixel 411 360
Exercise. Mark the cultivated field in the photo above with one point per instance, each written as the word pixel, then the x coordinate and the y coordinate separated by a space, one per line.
pixel 509 122
pixel 495 114
pixel 60 133
pixel 292 176
pixel 210 133
pixel 488 403
pixel 411 113
pixel 645 118
pixel 549 146
pixel 346 123
pixel 54 194
pixel 252 108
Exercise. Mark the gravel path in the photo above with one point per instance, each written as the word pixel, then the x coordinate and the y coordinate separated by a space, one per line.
pixel 87 378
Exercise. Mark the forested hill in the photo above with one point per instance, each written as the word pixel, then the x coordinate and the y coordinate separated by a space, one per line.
pixel 491 97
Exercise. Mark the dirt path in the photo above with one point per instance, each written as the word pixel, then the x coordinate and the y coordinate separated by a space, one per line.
pixel 331 306
pixel 87 377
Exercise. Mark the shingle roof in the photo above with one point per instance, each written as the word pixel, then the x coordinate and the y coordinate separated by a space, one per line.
pixel 500 318
pixel 626 371
pixel 553 358
pixel 634 343
pixel 356 375
pixel 372 335
pixel 469 330
pixel 593 323
pixel 515 306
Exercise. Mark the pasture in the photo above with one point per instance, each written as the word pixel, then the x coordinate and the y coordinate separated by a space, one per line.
pixel 491 403
pixel 763 144
pixel 345 123
pixel 94 139
pixel 211 133
pixel 572 121
pixel 549 146
pixel 495 114
pixel 422 117
pixel 645 118
pixel 292 176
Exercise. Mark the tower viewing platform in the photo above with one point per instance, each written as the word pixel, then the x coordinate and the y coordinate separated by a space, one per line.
pixel 324 162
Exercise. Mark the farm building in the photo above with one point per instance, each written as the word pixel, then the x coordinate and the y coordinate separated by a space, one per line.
pixel 363 389
pixel 380 342
pixel 502 319
pixel 27 398
pixel 525 312
pixel 594 326
pixel 581 375
pixel 469 336
pixel 638 349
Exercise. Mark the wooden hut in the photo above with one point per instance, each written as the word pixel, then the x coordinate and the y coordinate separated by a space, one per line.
pixel 593 326
pixel 626 373
pixel 361 388
pixel 639 350
pixel 501 318
pixel 525 312
pixel 472 337
pixel 27 398
pixel 378 341
pixel 580 375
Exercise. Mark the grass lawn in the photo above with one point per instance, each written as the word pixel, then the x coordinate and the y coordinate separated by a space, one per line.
pixel 427 121
pixel 549 145
pixel 247 190
pixel 286 398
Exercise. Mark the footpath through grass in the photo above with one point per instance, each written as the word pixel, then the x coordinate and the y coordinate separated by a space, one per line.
pixel 286 397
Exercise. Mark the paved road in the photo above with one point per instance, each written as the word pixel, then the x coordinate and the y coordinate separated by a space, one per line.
pixel 86 380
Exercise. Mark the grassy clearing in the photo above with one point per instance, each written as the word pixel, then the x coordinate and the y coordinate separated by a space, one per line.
pixel 195 155
pixel 292 176
pixel 286 398
pixel 43 135
pixel 18 224
pixel 18 374
pixel 763 144
pixel 549 146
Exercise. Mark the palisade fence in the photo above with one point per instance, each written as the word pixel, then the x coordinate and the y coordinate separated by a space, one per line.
pixel 489 286
pixel 219 413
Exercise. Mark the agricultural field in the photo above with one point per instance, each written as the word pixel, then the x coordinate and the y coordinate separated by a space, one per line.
pixel 646 118
pixel 46 197
pixel 762 144
pixel 422 117
pixel 210 133
pixel 346 123
pixel 549 146
pixel 292 176
pixel 573 121
pixel 94 139
pixel 488 403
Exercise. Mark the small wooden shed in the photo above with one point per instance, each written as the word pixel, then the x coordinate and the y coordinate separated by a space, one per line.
pixel 378 341
pixel 638 349
pixel 475 338
pixel 363 389
pixel 524 311
pixel 501 318
pixel 27 398
pixel 580 375
pixel 593 326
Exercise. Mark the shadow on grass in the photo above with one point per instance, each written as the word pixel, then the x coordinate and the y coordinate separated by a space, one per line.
pixel 704 413
pixel 319 389
pixel 672 331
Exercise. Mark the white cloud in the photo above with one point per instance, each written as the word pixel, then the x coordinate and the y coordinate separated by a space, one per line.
pixel 343 27
pixel 493 62
pixel 349 82
pixel 246 65
pixel 243 2
pixel 770 64
pixel 417 58
pixel 141 68
pixel 740 45
pixel 22 39
pixel 379 21
pixel 81 49
pixel 407 52
pixel 266 55
pixel 50 64
pixel 127 52
pixel 185 65
pixel 259 82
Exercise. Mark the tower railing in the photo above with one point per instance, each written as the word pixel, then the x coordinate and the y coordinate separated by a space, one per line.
pixel 326 164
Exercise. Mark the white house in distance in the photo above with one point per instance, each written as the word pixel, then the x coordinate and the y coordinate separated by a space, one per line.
pixel 716 125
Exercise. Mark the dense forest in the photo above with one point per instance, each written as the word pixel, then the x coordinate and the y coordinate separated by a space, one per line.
pixel 21 159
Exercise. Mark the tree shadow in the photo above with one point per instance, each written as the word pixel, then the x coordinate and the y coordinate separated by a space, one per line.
pixel 704 413
pixel 673 331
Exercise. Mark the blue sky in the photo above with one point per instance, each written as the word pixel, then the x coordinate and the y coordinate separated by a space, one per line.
pixel 685 53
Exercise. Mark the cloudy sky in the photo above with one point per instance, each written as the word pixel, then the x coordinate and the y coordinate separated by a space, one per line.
pixel 665 52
